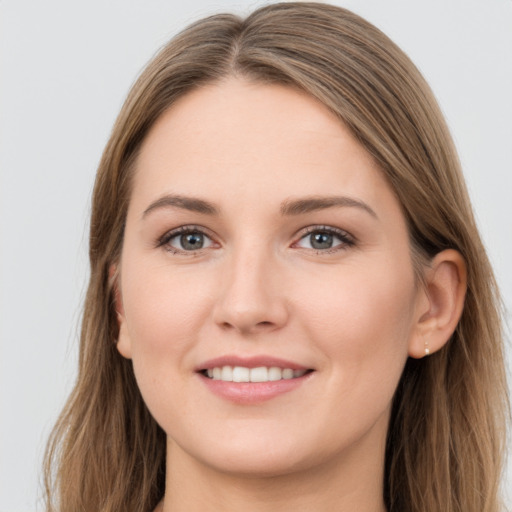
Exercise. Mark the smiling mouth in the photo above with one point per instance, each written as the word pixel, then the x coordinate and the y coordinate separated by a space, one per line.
pixel 259 374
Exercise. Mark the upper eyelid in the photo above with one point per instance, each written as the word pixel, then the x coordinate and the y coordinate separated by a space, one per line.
pixel 330 229
pixel 171 233
pixel 347 239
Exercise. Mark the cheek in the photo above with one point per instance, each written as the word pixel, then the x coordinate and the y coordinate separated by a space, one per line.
pixel 162 305
pixel 165 312
pixel 362 319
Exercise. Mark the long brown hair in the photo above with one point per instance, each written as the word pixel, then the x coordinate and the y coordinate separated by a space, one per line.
pixel 447 430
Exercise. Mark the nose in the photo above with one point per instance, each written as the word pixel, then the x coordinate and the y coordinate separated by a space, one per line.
pixel 252 297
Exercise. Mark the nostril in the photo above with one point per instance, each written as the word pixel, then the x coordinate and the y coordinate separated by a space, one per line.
pixel 246 327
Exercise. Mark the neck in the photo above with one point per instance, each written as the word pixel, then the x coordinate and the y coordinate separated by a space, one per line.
pixel 352 481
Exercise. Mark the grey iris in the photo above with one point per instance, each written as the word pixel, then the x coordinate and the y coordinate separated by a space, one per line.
pixel 321 240
pixel 192 241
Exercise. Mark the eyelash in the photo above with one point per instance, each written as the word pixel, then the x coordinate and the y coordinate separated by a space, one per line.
pixel 346 239
pixel 164 241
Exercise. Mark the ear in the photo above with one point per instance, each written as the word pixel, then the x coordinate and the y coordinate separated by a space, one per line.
pixel 124 344
pixel 440 303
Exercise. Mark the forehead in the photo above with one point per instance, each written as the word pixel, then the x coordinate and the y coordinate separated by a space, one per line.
pixel 255 142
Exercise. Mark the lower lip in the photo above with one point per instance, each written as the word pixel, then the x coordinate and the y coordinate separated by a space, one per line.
pixel 252 392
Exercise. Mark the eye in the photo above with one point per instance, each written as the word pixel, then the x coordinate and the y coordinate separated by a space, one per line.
pixel 325 239
pixel 185 239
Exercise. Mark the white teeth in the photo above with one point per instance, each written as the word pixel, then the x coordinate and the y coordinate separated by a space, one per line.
pixel 259 374
pixel 226 373
pixel 287 373
pixel 240 374
pixel 275 373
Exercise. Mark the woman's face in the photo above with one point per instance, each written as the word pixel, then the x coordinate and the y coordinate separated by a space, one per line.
pixel 261 236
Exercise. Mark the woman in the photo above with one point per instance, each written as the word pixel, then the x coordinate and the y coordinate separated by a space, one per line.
pixel 289 304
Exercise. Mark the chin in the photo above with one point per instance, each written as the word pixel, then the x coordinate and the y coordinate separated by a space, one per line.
pixel 264 464
pixel 259 455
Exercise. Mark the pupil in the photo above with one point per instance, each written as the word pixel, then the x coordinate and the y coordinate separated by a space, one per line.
pixel 192 241
pixel 321 241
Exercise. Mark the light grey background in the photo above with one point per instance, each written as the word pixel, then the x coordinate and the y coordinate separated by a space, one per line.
pixel 65 69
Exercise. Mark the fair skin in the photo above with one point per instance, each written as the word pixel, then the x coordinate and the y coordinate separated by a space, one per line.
pixel 293 252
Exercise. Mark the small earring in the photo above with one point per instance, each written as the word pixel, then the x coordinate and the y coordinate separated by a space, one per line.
pixel 427 348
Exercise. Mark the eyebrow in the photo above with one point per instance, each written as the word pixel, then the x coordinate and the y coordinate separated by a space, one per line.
pixel 192 204
pixel 288 207
pixel 315 203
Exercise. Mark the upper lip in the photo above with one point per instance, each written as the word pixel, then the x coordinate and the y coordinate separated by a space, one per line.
pixel 249 362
